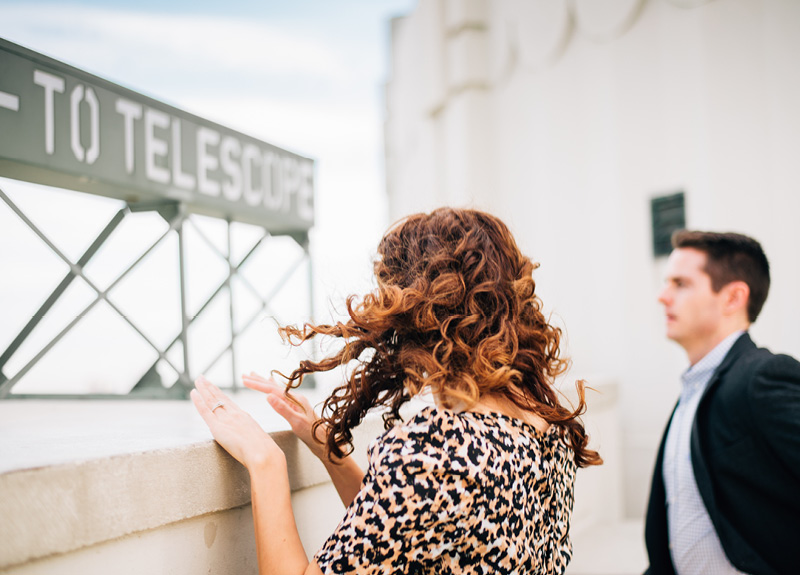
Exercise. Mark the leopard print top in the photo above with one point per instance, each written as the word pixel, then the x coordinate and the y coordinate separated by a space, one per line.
pixel 467 492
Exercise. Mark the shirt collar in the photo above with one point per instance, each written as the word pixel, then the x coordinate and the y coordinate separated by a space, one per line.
pixel 703 369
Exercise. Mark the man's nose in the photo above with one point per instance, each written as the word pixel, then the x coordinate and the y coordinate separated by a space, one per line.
pixel 664 296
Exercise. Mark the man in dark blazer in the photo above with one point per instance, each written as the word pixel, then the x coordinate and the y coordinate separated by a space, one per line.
pixel 725 496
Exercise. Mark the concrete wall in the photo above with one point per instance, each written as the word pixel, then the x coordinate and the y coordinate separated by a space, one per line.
pixel 217 543
pixel 565 118
pixel 88 487
pixel 141 487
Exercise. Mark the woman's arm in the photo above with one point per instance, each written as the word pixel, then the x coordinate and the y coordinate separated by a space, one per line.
pixel 280 551
pixel 345 474
pixel 278 544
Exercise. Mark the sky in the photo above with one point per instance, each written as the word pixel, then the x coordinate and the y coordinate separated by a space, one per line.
pixel 305 75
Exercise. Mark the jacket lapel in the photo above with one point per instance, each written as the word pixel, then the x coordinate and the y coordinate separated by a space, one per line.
pixel 702 476
pixel 655 532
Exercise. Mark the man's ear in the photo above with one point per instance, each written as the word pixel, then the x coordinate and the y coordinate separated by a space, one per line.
pixel 737 294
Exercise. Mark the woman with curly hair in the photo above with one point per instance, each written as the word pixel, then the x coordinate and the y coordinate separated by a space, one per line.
pixel 482 482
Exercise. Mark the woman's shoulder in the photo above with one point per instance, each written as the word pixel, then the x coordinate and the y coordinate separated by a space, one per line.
pixel 429 427
pixel 443 437
pixel 427 439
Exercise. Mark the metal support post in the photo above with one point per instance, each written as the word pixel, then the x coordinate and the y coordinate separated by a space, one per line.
pixel 184 378
pixel 231 273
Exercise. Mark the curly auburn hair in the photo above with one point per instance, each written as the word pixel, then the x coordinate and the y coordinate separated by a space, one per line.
pixel 455 312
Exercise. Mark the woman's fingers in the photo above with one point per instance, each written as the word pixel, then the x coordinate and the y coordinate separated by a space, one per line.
pixel 255 381
pixel 300 417
pixel 273 389
pixel 259 383
pixel 200 405
pixel 234 429
pixel 287 410
pixel 259 377
pixel 213 397
pixel 208 392
pixel 202 397
pixel 296 410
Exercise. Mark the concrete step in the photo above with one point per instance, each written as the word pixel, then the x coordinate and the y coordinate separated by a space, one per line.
pixel 609 548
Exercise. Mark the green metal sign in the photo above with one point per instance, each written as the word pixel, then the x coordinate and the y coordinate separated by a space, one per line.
pixel 63 127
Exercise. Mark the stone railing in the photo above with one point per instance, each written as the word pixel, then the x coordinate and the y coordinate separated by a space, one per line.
pixel 140 486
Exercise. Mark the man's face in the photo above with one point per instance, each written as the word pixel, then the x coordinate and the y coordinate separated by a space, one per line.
pixel 693 311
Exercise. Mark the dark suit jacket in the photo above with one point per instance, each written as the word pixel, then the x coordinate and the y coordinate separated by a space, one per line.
pixel 745 447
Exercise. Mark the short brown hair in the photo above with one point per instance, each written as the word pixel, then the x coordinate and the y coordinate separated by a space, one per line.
pixel 731 257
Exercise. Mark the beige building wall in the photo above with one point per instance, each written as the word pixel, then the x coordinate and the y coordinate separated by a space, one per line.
pixel 566 118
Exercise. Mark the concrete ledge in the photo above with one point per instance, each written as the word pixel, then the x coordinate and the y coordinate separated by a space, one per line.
pixel 61 508
pixel 88 483
pixel 216 544
pixel 221 543
pixel 609 548
pixel 75 474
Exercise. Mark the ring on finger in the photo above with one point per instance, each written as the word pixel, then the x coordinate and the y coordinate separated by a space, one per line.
pixel 216 405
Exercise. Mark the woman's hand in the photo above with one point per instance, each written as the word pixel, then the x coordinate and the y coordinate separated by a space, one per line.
pixel 234 429
pixel 300 417
pixel 345 473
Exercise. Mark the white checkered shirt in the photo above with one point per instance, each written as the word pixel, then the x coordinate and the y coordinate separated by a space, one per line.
pixel 694 545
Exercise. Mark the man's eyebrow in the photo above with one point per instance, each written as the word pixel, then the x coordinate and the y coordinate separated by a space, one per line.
pixel 678 277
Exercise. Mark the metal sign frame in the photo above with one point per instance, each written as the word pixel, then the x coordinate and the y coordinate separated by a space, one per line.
pixel 63 127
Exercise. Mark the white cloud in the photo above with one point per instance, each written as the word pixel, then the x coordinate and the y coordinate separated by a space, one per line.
pixel 309 128
pixel 191 41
